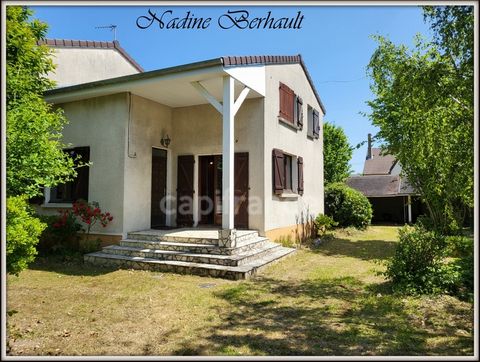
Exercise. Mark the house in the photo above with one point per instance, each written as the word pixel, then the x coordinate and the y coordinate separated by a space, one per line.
pixel 392 198
pixel 233 143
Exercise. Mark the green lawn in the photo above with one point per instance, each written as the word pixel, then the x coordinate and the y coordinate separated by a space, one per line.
pixel 326 301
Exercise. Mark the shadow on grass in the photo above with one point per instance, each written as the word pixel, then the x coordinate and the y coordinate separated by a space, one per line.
pixel 68 265
pixel 360 249
pixel 337 316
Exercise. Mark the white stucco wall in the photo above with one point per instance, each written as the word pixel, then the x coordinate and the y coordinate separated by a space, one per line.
pixel 82 65
pixel 100 124
pixel 197 130
pixel 120 177
pixel 148 123
pixel 280 213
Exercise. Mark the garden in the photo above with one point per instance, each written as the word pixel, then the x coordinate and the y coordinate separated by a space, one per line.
pixel 326 300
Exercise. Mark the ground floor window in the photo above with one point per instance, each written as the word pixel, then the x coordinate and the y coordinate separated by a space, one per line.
pixel 78 188
pixel 287 163
pixel 287 173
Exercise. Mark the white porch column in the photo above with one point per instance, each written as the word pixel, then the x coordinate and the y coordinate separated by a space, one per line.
pixel 409 203
pixel 228 148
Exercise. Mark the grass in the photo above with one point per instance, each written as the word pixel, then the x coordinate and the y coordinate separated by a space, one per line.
pixel 323 301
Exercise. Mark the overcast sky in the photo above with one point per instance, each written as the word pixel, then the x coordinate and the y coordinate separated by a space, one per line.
pixel 334 41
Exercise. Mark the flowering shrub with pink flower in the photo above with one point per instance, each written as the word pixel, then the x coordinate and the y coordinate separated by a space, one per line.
pixel 61 233
pixel 90 214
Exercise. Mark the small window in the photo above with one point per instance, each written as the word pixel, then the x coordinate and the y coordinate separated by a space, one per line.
pixel 287 104
pixel 287 164
pixel 310 122
pixel 313 119
pixel 78 188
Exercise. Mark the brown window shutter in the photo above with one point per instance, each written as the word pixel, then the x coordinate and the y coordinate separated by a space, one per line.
pixel 299 112
pixel 300 175
pixel 316 124
pixel 287 103
pixel 278 171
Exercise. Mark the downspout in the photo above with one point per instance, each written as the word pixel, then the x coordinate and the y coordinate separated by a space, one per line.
pixel 134 154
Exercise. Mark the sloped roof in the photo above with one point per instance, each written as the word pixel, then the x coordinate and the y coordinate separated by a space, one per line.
pixel 381 185
pixel 273 59
pixel 225 61
pixel 378 164
pixel 92 44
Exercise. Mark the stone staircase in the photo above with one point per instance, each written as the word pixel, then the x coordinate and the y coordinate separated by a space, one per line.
pixel 191 251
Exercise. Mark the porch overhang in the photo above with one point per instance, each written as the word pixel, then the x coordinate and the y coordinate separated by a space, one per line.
pixel 171 86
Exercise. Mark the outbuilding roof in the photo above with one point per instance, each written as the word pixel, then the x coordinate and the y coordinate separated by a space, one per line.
pixel 378 164
pixel 381 185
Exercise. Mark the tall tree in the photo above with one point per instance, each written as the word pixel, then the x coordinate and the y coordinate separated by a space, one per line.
pixel 424 108
pixel 34 149
pixel 33 133
pixel 337 154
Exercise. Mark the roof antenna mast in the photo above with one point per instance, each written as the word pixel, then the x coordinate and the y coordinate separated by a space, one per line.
pixel 112 27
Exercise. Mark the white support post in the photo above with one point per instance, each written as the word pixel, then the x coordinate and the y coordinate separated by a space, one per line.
pixel 228 153
pixel 409 203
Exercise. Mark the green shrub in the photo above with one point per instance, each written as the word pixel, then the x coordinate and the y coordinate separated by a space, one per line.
pixel 419 266
pixel 323 223
pixel 347 206
pixel 89 245
pixel 461 248
pixel 23 231
pixel 61 234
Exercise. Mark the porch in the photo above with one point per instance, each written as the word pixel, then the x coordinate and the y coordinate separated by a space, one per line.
pixel 199 251
pixel 159 108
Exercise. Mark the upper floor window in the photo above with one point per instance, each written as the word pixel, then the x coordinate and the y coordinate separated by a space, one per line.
pixel 287 104
pixel 78 188
pixel 291 107
pixel 313 119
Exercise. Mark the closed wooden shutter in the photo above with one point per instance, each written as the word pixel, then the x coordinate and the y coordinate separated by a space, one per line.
pixel 287 102
pixel 299 112
pixel 300 175
pixel 241 190
pixel 185 190
pixel 316 124
pixel 278 171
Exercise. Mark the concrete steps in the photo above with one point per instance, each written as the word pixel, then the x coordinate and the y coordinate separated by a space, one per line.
pixel 190 252
pixel 196 247
pixel 182 267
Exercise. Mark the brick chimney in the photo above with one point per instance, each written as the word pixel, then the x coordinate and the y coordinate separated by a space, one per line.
pixel 369 150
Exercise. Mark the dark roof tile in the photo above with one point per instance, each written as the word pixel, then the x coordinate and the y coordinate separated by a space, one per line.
pixel 273 59
pixel 380 185
pixel 379 164
pixel 63 43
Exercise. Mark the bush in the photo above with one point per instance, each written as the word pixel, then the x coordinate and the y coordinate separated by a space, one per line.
pixel 61 234
pixel 323 223
pixel 461 248
pixel 419 265
pixel 23 232
pixel 347 206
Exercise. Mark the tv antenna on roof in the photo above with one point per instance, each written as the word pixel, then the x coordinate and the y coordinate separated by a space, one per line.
pixel 112 27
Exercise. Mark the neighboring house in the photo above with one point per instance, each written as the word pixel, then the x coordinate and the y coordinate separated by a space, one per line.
pixel 230 142
pixel 391 196
pixel 79 61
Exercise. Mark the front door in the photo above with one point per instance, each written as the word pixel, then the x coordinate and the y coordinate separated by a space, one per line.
pixel 185 190
pixel 210 187
pixel 159 187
